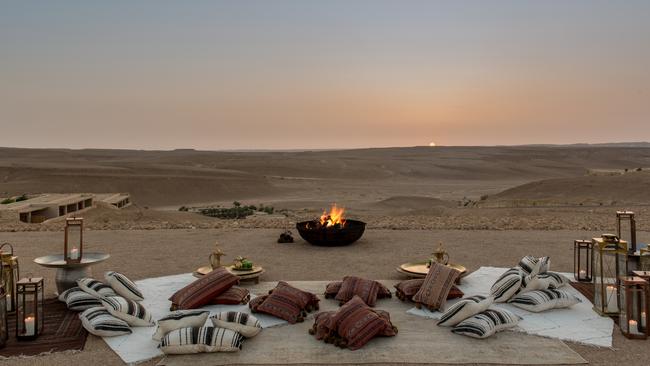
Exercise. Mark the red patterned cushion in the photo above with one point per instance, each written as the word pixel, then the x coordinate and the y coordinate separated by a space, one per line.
pixel 233 296
pixel 306 300
pixel 366 289
pixel 455 293
pixel 383 292
pixel 406 289
pixel 256 302
pixel 332 289
pixel 284 304
pixel 436 286
pixel 358 324
pixel 203 290
pixel 320 329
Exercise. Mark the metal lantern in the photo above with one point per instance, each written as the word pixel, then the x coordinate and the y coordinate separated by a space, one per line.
pixel 635 308
pixel 609 264
pixel 629 216
pixel 4 329
pixel 643 274
pixel 73 245
pixel 10 273
pixel 644 259
pixel 582 260
pixel 29 310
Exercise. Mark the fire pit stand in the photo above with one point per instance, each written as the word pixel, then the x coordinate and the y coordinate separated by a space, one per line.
pixel 333 236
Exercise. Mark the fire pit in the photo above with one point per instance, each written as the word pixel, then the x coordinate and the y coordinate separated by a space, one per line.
pixel 331 229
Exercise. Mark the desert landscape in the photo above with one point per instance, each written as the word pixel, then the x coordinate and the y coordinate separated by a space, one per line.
pixel 479 201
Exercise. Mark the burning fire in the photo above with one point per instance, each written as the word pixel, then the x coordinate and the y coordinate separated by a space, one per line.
pixel 335 217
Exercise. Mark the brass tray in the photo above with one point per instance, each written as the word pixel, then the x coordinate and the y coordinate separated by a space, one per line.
pixel 238 272
pixel 420 269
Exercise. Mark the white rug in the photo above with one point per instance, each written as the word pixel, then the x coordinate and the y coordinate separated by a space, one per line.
pixel 138 346
pixel 579 323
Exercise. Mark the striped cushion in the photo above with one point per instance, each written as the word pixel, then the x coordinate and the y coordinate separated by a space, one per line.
pixel 487 323
pixel 78 300
pixel 128 310
pixel 180 319
pixel 541 300
pixel 256 302
pixel 306 300
pixel 201 339
pixel 284 304
pixel 357 324
pixel 203 290
pixel 465 308
pixel 96 288
pixel 533 266
pixel 233 296
pixel 436 286
pixel 406 289
pixel 332 289
pixel 100 322
pixel 383 292
pixel 507 285
pixel 552 280
pixel 245 324
pixel 355 286
pixel 123 286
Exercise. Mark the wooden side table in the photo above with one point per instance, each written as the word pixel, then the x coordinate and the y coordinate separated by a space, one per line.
pixel 67 274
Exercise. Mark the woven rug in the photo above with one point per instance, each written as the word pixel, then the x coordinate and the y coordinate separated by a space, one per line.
pixel 62 332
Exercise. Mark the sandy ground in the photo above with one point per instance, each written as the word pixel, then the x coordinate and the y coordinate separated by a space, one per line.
pixel 151 253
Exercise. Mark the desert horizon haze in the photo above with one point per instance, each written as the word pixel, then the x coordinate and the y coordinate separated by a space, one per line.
pixel 290 74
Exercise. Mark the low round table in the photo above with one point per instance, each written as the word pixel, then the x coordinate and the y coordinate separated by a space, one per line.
pixel 420 270
pixel 251 274
pixel 67 274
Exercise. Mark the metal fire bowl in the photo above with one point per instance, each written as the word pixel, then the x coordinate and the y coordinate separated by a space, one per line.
pixel 332 236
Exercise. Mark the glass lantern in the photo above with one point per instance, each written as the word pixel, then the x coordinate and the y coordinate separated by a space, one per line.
pixel 635 307
pixel 29 308
pixel 73 244
pixel 4 329
pixel 582 260
pixel 609 256
pixel 644 259
pixel 622 216
pixel 10 274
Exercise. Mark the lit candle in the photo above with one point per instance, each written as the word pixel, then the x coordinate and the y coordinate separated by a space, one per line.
pixel 74 253
pixel 612 299
pixel 29 326
pixel 633 327
pixel 643 320
pixel 9 308
pixel 582 274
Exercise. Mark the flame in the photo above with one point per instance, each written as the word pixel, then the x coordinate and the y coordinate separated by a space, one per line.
pixel 334 217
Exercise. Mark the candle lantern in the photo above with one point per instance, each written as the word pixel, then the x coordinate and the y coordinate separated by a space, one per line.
pixel 634 307
pixel 73 245
pixel 4 329
pixel 10 274
pixel 644 259
pixel 609 255
pixel 582 260
pixel 29 308
pixel 622 216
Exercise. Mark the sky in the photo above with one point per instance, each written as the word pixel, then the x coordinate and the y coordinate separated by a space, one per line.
pixel 276 74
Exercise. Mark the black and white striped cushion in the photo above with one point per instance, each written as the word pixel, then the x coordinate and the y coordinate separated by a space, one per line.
pixel 180 319
pixel 246 324
pixel 543 281
pixel 541 300
pixel 486 323
pixel 128 310
pixel 534 266
pixel 78 300
pixel 100 322
pixel 123 286
pixel 507 285
pixel 465 308
pixel 201 339
pixel 95 288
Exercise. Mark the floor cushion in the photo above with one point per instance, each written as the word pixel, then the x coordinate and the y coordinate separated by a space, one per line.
pixel 320 328
pixel 383 292
pixel 455 293
pixel 357 323
pixel 180 319
pixel 543 281
pixel 78 300
pixel 464 309
pixel 534 266
pixel 486 323
pixel 233 296
pixel 100 322
pixel 306 300
pixel 352 286
pixel 436 286
pixel 284 304
pixel 256 302
pixel 128 310
pixel 123 286
pixel 332 289
pixel 202 291
pixel 95 288
pixel 246 324
pixel 507 285
pixel 542 300
pixel 201 339
pixel 406 289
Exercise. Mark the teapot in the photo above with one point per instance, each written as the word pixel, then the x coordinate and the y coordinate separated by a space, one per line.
pixel 440 255
pixel 215 257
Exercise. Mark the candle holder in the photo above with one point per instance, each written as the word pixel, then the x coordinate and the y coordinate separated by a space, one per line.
pixel 582 260
pixel 29 309
pixel 635 307
pixel 609 255
pixel 10 274
pixel 73 243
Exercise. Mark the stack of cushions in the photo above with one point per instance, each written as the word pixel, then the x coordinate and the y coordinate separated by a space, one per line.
pixel 202 291
pixel 436 287
pixel 368 290
pixel 353 325
pixel 473 317
pixel 180 319
pixel 531 286
pixel 286 302
pixel 406 289
pixel 109 308
pixel 233 296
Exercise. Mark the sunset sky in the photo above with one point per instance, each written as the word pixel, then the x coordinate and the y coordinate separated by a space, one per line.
pixel 322 74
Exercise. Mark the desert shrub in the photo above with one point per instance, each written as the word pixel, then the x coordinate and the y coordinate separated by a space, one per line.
pixel 638 169
pixel 183 208
pixel 22 197
pixel 7 201
pixel 237 211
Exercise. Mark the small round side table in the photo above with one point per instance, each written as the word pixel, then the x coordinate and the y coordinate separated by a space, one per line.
pixel 67 274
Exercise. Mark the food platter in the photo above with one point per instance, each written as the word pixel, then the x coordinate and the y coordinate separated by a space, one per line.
pixel 420 269
pixel 253 273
